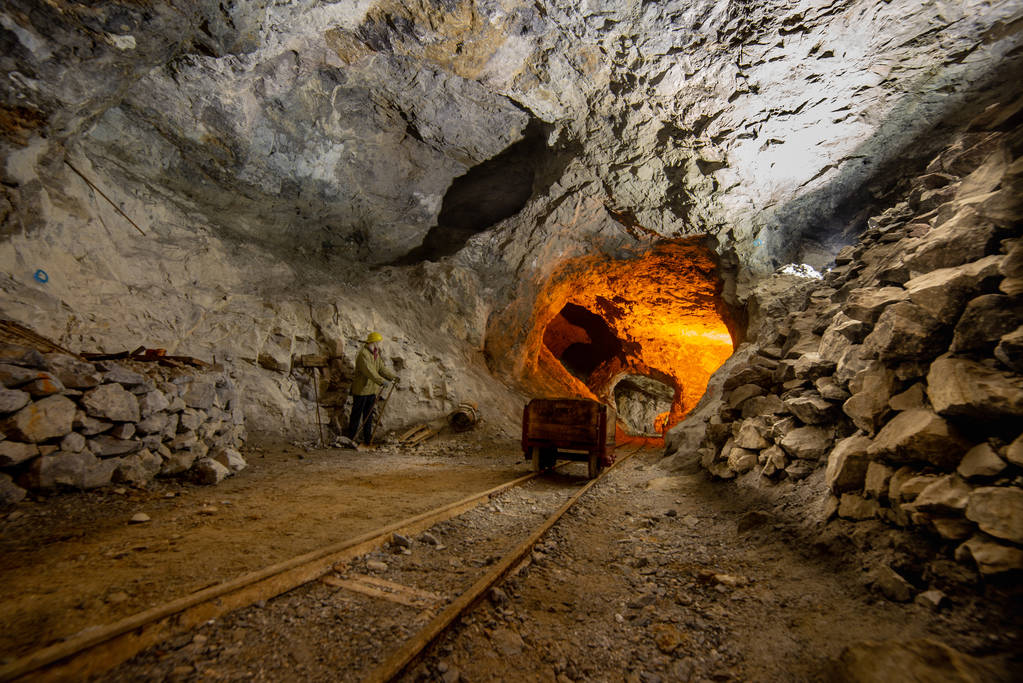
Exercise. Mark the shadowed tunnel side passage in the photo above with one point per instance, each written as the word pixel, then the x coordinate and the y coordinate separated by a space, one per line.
pixel 637 333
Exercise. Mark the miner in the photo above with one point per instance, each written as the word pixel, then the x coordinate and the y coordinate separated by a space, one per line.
pixel 370 377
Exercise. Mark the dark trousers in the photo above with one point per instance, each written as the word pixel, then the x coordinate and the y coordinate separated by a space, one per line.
pixel 361 406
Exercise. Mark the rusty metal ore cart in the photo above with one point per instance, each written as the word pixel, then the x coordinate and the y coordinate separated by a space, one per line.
pixel 569 429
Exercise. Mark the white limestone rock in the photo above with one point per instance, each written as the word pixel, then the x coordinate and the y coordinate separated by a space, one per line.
pixel 209 472
pixel 111 402
pixel 48 418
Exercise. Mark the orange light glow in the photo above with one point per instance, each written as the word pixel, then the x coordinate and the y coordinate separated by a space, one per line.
pixel 662 317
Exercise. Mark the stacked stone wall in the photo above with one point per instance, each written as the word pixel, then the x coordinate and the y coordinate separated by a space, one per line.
pixel 900 373
pixel 70 424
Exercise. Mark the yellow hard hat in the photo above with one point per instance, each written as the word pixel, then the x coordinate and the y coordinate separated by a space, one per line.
pixel 373 337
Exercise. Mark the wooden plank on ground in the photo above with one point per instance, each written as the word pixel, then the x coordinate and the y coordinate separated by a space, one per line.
pixel 357 586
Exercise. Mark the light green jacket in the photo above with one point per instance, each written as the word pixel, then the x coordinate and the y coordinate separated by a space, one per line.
pixel 370 373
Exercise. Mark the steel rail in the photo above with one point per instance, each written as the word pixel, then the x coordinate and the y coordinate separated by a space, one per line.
pixel 400 660
pixel 100 648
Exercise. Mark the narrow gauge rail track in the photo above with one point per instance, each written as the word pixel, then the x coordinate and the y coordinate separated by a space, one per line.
pixel 100 649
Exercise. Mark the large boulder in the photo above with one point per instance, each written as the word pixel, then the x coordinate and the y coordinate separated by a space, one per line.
pixel 48 418
pixel 138 469
pixel 919 436
pixel 72 470
pixel 946 495
pixel 808 443
pixel 73 373
pixel 15 452
pixel 943 293
pixel 963 238
pixel 990 556
pixel 981 462
pixel 963 388
pixel 985 320
pixel 111 402
pixel 847 464
pixel 906 331
pixel 812 409
pixel 872 390
pixel 867 304
pixel 208 471
pixel 998 511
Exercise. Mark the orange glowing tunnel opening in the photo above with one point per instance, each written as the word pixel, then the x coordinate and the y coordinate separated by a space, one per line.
pixel 643 334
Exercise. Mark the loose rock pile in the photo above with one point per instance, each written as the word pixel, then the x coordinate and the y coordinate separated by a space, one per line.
pixel 900 371
pixel 67 423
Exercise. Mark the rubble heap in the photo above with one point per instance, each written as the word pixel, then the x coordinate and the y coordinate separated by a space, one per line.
pixel 69 423
pixel 897 379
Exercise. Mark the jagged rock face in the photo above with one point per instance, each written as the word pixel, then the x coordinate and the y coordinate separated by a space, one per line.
pixel 272 151
pixel 339 127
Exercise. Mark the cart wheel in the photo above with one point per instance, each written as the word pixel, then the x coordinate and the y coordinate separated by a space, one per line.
pixel 596 464
pixel 548 458
pixel 534 453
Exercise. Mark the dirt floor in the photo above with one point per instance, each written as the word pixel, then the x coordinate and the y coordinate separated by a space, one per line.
pixel 76 560
pixel 656 576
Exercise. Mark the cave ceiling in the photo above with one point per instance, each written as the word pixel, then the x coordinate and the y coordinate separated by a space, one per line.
pixel 340 128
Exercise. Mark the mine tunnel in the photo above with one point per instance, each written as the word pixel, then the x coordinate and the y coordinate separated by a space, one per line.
pixel 520 341
pixel 658 316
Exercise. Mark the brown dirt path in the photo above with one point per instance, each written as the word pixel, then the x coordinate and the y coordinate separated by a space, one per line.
pixel 74 560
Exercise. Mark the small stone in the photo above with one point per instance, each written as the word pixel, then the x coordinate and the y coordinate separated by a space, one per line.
pixel 376 566
pixel 932 599
pixel 140 518
pixel 893 586
pixel 73 443
pixel 401 541
pixel 209 472
pixel 123 430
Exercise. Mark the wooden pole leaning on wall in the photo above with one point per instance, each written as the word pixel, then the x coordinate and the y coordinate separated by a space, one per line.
pixel 103 194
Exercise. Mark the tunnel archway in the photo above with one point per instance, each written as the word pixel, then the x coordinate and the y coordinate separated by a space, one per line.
pixel 643 404
pixel 657 315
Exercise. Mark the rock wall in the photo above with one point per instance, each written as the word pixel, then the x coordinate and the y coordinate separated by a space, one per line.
pixel 898 377
pixel 68 423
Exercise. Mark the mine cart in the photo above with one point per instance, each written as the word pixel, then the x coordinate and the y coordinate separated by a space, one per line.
pixel 570 429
